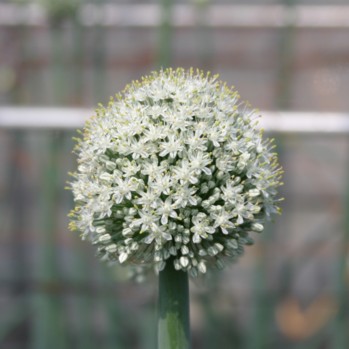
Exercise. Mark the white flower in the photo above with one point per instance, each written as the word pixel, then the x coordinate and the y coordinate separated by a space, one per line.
pixel 153 133
pixel 172 146
pixel 147 221
pixel 152 169
pixel 167 209
pixel 185 173
pixel 175 166
pixel 201 227
pixel 231 191
pixel 223 219
pixel 138 149
pixel 215 136
pixel 162 184
pixel 124 187
pixel 129 168
pixel 199 161
pixel 184 196
pixel 147 199
pixel 159 234
pixel 196 142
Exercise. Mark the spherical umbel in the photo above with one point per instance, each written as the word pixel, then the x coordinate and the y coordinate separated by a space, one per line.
pixel 174 166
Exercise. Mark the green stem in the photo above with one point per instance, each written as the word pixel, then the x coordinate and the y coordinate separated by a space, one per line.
pixel 173 312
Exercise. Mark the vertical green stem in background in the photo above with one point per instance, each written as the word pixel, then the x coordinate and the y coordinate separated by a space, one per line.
pixel 77 74
pixel 79 272
pixel 204 34
pixel 60 91
pixel 173 312
pixel 84 303
pixel 164 50
pixel 60 12
pixel 115 324
pixel 285 69
pixel 48 324
pixel 18 194
pixel 14 219
pixel 100 78
pixel 341 322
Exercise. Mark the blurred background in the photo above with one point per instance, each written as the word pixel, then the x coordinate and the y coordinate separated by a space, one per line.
pixel 290 290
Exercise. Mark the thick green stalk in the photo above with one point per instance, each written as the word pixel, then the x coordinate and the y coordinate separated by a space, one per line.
pixel 173 311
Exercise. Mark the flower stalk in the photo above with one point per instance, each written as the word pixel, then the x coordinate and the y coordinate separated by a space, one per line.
pixel 173 309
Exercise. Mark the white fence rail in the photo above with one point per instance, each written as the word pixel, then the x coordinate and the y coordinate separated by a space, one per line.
pixel 184 15
pixel 72 118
